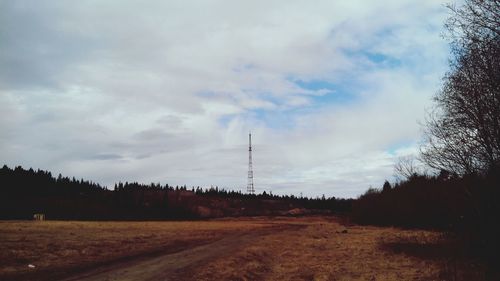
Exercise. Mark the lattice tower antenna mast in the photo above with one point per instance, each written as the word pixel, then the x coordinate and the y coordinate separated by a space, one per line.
pixel 250 188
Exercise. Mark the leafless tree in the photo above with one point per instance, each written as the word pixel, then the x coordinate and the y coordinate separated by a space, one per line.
pixel 406 167
pixel 462 133
pixel 476 21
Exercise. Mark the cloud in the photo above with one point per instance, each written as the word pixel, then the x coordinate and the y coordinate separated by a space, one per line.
pixel 106 157
pixel 167 91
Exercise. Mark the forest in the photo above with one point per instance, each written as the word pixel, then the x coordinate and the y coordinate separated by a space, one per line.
pixel 26 192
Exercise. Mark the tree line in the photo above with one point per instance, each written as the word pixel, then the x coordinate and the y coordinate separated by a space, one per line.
pixel 26 192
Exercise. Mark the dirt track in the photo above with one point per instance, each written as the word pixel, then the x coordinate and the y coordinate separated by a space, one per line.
pixel 180 265
pixel 304 248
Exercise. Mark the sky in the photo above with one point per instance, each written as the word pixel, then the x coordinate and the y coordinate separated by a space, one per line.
pixel 167 91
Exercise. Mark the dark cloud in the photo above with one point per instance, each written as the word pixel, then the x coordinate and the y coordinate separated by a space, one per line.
pixel 153 135
pixel 105 156
pixel 37 49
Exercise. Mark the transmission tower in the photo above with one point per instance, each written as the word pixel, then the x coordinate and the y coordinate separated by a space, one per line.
pixel 250 188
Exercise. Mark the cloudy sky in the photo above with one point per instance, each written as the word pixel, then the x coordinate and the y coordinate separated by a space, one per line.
pixel 167 91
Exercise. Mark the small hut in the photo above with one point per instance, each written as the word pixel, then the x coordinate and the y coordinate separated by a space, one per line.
pixel 39 217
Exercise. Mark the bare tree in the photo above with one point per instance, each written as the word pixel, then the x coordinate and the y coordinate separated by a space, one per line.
pixel 463 131
pixel 473 22
pixel 406 167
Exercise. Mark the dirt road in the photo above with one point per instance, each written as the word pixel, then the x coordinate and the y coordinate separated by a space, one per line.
pixel 180 265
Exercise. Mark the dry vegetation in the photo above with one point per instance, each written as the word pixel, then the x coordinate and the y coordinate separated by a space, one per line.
pixel 309 248
pixel 58 248
pixel 322 251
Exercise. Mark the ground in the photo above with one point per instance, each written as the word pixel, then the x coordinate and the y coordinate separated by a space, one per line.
pixel 278 248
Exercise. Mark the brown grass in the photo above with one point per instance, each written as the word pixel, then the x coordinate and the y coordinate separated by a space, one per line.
pixel 315 248
pixel 322 251
pixel 56 248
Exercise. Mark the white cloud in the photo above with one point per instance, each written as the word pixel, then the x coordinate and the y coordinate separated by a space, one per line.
pixel 167 91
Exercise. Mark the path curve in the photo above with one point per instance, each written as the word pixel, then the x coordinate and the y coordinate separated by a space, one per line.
pixel 177 266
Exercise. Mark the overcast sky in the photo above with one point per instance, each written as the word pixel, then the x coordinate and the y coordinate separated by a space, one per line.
pixel 167 91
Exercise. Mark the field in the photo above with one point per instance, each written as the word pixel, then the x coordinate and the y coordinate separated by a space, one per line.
pixel 304 248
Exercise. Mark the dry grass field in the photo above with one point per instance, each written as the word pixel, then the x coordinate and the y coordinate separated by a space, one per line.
pixel 306 248
pixel 57 248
